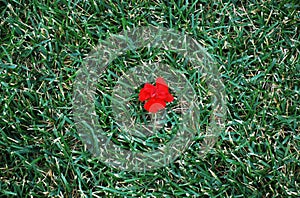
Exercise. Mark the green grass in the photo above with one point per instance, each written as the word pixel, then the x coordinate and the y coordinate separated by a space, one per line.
pixel 256 45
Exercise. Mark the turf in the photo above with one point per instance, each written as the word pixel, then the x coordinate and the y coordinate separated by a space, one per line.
pixel 256 45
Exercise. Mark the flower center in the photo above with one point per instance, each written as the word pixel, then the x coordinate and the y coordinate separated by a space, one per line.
pixel 153 95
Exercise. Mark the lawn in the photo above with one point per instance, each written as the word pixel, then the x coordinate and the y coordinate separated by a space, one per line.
pixel 256 46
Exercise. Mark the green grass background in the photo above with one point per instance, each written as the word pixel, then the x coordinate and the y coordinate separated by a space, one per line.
pixel 256 44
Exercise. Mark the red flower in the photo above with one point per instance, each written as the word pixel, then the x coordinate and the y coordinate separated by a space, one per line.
pixel 155 96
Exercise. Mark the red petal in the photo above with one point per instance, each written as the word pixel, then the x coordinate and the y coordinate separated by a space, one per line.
pixel 162 88
pixel 149 87
pixel 169 98
pixel 143 95
pixel 162 95
pixel 146 92
pixel 154 105
pixel 161 81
